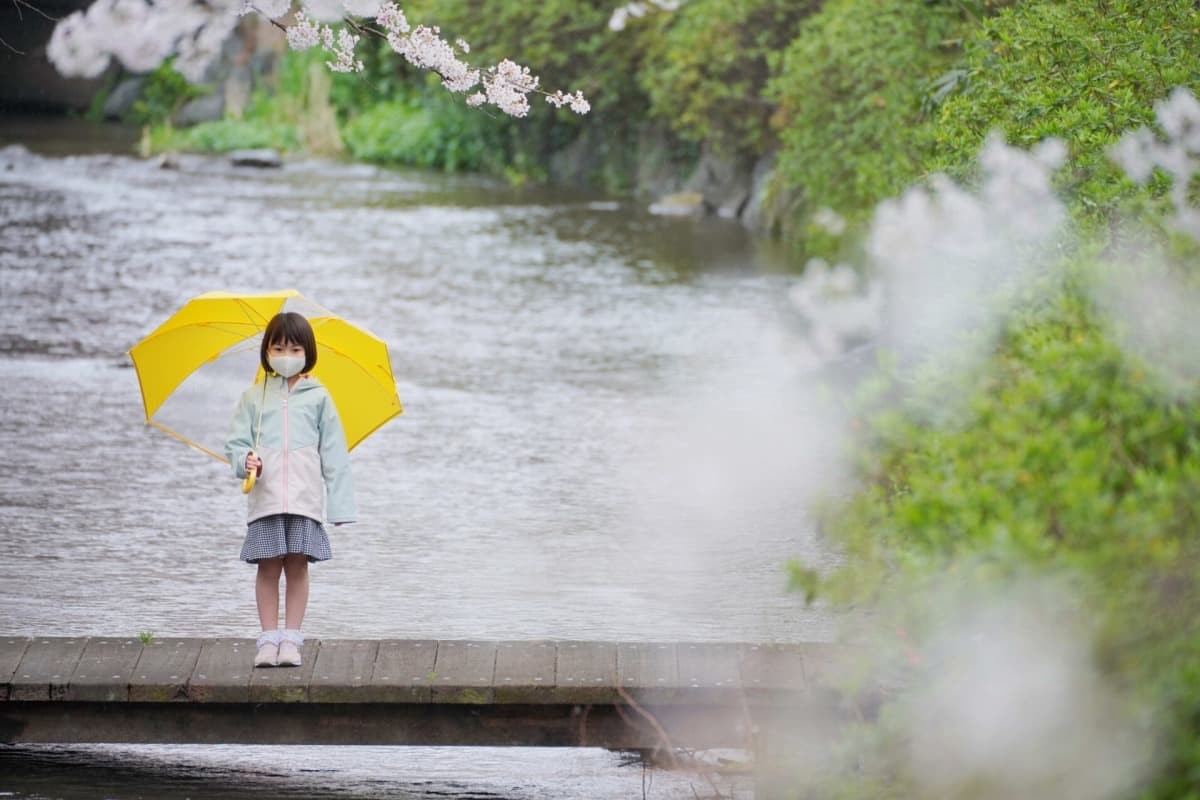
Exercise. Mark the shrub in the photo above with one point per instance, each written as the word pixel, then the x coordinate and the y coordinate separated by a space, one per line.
pixel 1066 460
pixel 232 134
pixel 426 131
pixel 849 92
pixel 1085 71
pixel 163 93
pixel 706 74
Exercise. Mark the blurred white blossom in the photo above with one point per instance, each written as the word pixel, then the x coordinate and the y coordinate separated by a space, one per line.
pixel 1152 310
pixel 1140 152
pixel 1010 703
pixel 140 36
pixel 325 10
pixel 841 309
pixel 951 259
pixel 75 50
pixel 362 8
pixel 197 50
pixel 272 9
pixel 829 220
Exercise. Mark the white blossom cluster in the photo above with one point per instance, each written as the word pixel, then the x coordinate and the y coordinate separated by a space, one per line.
pixel 424 47
pixel 343 51
pixel 577 101
pixel 1178 155
pixel 141 34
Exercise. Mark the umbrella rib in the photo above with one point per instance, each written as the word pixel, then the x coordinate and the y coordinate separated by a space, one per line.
pixel 187 441
pixel 356 363
pixel 247 309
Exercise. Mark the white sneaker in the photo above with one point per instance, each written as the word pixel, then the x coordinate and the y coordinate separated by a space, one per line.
pixel 288 655
pixel 267 655
pixel 268 649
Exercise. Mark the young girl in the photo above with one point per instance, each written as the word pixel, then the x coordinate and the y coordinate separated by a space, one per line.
pixel 301 462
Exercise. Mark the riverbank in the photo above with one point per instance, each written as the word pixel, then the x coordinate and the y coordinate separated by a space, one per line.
pixel 769 112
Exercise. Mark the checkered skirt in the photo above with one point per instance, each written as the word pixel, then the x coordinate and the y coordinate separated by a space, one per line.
pixel 282 534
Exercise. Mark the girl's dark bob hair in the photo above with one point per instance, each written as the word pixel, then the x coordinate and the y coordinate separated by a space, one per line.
pixel 288 326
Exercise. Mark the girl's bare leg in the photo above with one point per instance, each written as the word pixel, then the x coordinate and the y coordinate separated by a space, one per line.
pixel 295 567
pixel 266 592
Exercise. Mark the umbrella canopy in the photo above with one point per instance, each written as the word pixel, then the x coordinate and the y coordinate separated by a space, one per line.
pixel 194 366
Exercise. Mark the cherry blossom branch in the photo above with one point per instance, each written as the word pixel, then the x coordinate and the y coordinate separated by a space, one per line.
pixel 142 34
pixel 33 8
pixel 505 85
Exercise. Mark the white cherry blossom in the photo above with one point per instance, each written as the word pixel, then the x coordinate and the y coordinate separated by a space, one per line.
pixel 344 60
pixel 303 34
pixel 392 19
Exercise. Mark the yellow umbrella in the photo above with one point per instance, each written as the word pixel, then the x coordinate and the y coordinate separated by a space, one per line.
pixel 194 366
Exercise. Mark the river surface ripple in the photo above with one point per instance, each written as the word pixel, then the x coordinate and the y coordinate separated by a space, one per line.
pixel 579 455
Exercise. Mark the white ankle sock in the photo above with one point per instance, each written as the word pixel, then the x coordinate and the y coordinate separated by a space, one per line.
pixel 269 637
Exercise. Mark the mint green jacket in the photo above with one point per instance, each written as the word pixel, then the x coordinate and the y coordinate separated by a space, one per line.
pixel 306 469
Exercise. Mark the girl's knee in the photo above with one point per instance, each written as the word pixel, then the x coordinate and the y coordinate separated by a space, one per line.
pixel 295 563
pixel 270 567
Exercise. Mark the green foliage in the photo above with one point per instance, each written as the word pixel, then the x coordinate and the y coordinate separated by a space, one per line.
pixel 1085 71
pixel 441 133
pixel 293 114
pixel 236 134
pixel 849 92
pixel 707 73
pixel 163 93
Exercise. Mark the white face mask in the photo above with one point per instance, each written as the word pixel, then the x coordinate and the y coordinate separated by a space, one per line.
pixel 287 366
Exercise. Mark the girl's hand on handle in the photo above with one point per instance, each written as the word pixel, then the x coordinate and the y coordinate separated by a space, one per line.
pixel 253 463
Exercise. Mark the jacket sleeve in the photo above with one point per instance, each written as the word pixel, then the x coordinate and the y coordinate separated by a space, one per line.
pixel 241 434
pixel 335 465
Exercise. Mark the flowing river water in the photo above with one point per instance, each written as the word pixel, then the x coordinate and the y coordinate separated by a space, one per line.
pixel 598 440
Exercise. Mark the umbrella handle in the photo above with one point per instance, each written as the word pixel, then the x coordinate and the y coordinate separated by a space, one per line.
pixel 249 480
